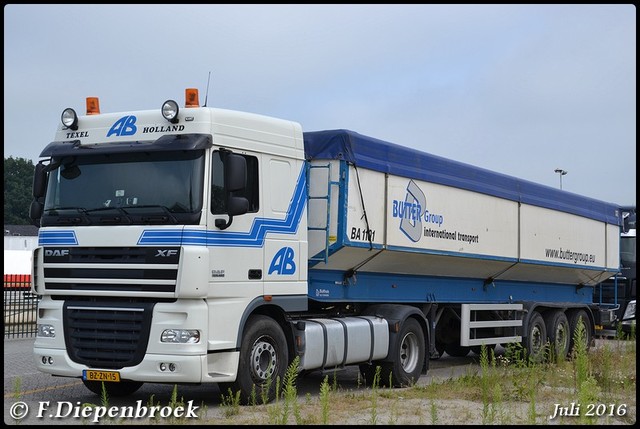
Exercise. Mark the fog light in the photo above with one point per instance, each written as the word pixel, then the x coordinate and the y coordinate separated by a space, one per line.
pixel 46 331
pixel 172 367
pixel 163 366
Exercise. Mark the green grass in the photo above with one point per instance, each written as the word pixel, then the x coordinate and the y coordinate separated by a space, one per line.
pixel 507 389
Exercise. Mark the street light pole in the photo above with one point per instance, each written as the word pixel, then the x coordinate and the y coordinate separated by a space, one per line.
pixel 561 172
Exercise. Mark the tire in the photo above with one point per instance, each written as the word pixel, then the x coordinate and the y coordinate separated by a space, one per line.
pixel 536 340
pixel 405 368
pixel 558 332
pixel 263 361
pixel 456 350
pixel 123 388
pixel 575 317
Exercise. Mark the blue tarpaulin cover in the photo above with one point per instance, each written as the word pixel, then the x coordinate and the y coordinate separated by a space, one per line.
pixel 378 155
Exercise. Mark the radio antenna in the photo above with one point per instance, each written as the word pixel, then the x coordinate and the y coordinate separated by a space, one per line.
pixel 206 95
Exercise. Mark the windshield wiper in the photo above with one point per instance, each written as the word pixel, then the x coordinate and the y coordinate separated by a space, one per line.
pixel 55 209
pixel 111 219
pixel 68 218
pixel 167 215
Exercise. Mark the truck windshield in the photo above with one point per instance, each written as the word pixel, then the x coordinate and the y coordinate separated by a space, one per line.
pixel 133 188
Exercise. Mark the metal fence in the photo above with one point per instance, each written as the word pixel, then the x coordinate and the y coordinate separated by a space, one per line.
pixel 20 306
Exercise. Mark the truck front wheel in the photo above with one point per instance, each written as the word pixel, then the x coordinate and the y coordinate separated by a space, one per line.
pixel 263 361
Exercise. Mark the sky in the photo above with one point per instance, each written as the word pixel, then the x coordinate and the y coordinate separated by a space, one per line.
pixel 522 90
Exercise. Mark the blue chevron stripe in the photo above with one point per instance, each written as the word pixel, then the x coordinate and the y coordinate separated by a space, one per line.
pixel 254 238
pixel 60 238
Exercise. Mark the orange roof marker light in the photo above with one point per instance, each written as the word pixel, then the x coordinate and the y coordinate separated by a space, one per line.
pixel 191 97
pixel 93 106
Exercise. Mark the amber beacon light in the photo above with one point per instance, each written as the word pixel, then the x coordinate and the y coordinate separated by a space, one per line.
pixel 93 106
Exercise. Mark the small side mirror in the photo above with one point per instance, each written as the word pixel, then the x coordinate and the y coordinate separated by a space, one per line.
pixel 237 206
pixel 35 211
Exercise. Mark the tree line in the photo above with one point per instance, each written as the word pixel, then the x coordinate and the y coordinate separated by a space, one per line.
pixel 18 184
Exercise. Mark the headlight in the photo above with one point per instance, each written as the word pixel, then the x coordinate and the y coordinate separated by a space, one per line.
pixel 180 336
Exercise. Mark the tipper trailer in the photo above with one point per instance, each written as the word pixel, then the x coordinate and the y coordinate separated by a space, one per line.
pixel 203 245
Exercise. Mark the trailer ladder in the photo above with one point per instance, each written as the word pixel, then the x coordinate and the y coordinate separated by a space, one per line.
pixel 324 254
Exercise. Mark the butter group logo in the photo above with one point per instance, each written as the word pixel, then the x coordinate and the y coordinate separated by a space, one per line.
pixel 413 211
pixel 410 211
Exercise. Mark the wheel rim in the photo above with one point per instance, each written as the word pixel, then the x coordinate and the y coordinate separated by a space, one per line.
pixel 536 339
pixel 562 338
pixel 409 352
pixel 263 359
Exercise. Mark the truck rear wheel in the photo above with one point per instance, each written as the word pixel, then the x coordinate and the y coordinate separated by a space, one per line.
pixel 123 388
pixel 404 369
pixel 263 361
pixel 536 340
pixel 558 330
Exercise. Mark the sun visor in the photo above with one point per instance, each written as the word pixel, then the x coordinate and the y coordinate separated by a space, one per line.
pixel 165 143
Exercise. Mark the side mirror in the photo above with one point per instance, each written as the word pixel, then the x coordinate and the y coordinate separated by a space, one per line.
pixel 235 180
pixel 39 180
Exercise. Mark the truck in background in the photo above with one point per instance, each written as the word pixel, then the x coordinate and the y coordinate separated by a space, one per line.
pixel 619 291
pixel 200 245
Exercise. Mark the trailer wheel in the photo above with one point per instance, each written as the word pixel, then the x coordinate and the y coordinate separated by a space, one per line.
pixel 404 369
pixel 558 330
pixel 263 360
pixel 536 339
pixel 576 317
pixel 123 388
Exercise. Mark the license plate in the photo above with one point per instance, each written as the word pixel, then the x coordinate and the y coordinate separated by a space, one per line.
pixel 112 376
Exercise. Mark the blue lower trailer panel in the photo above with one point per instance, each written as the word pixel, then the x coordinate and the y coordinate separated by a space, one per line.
pixel 332 286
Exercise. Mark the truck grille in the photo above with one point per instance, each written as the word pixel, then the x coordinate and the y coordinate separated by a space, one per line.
pixel 108 334
pixel 111 269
